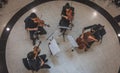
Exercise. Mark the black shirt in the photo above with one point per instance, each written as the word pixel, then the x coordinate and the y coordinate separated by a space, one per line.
pixel 29 23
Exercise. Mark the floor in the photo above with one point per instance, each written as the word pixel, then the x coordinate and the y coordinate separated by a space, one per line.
pixel 100 58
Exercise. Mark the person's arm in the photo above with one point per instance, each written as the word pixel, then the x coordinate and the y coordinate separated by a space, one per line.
pixel 64 16
pixel 91 37
pixel 88 27
pixel 31 29
pixel 42 62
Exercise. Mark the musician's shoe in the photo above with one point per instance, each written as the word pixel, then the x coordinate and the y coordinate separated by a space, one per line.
pixel 46 60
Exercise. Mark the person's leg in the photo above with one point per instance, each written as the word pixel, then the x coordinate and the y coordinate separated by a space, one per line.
pixel 43 57
pixel 32 37
pixel 42 30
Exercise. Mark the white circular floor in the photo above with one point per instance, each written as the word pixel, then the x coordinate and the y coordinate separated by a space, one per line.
pixel 100 58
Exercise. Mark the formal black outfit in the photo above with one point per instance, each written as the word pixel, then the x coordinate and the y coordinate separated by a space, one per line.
pixel 97 30
pixel 29 23
pixel 35 64
pixel 42 30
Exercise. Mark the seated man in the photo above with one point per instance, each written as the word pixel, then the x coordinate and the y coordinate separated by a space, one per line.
pixel 31 25
pixel 85 40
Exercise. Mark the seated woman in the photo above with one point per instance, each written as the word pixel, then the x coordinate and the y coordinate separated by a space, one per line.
pixel 67 16
pixel 97 30
pixel 35 61
pixel 85 40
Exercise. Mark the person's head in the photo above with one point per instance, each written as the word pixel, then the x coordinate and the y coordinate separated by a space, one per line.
pixel 67 5
pixel 33 15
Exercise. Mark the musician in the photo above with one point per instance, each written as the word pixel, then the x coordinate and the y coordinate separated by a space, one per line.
pixel 37 62
pixel 85 40
pixel 34 26
pixel 67 16
pixel 97 30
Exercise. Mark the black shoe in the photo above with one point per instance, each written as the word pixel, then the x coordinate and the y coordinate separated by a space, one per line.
pixel 46 60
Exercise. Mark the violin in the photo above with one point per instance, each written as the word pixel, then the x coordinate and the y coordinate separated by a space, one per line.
pixel 36 50
pixel 40 22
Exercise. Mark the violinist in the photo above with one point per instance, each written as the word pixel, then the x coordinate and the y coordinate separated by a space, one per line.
pixel 40 26
pixel 36 61
pixel 33 24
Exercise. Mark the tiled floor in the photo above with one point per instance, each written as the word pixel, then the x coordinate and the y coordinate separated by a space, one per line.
pixel 100 58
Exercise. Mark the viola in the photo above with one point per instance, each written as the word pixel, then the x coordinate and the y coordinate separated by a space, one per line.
pixel 36 50
pixel 40 22
pixel 69 14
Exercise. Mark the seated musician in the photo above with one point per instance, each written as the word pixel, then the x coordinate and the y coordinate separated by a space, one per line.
pixel 85 40
pixel 97 30
pixel 32 23
pixel 67 11
pixel 37 62
pixel 67 16
pixel 41 25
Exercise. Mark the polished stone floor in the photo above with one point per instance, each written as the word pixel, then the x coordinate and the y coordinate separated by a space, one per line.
pixel 100 58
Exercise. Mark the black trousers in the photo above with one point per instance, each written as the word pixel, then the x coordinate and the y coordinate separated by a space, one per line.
pixel 32 35
pixel 43 57
pixel 41 30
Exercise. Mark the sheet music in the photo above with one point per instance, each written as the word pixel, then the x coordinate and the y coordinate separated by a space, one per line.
pixel 72 41
pixel 54 47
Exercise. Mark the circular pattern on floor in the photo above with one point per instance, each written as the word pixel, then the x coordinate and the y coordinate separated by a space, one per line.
pixel 101 58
